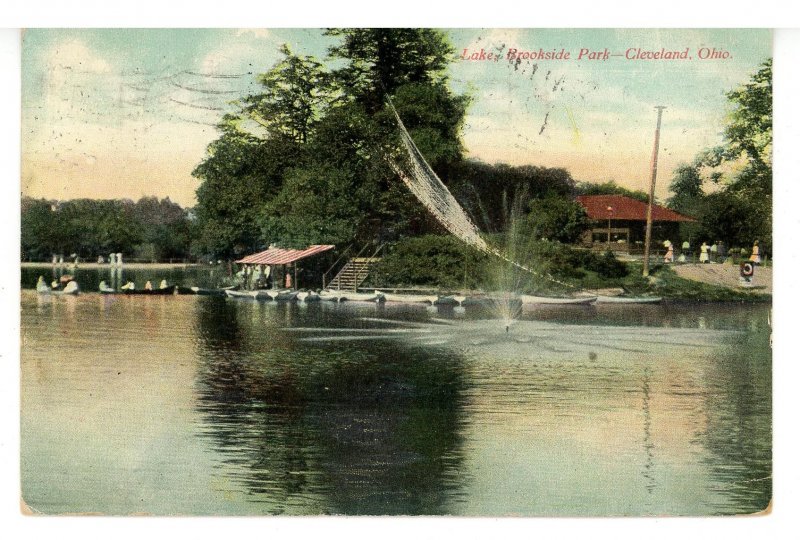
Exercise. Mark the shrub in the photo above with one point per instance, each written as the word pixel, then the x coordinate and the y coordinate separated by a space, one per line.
pixel 607 266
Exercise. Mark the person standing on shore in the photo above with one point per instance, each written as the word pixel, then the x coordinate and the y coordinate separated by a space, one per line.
pixel 669 256
pixel 704 253
pixel 755 257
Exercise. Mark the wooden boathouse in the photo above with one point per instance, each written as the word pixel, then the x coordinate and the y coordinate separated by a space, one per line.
pixel 617 223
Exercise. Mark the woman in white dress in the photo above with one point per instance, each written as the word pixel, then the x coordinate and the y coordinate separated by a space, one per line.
pixel 704 253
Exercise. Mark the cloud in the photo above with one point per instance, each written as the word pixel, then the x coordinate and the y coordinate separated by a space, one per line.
pixel 74 55
pixel 258 33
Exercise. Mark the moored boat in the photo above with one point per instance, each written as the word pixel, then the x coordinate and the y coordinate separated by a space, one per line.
pixel 528 299
pixel 212 292
pixel 308 296
pixel 410 298
pixel 254 295
pixel 629 299
pixel 351 296
pixel 285 295
pixel 450 300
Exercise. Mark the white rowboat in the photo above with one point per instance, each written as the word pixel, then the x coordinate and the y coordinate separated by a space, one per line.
pixel 531 300
pixel 628 299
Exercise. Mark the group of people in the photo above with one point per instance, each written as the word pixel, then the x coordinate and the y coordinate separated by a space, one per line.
pixel 130 285
pixel 262 276
pixel 708 253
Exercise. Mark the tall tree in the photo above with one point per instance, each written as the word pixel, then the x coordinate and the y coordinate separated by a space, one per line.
pixel 686 188
pixel 295 92
pixel 240 174
pixel 380 60
pixel 739 210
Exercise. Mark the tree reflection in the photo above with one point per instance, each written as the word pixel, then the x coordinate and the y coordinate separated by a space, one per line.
pixel 367 428
pixel 739 433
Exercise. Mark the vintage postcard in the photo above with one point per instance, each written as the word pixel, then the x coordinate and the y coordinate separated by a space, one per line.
pixel 396 271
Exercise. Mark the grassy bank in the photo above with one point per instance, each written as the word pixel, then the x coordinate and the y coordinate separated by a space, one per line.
pixel 446 264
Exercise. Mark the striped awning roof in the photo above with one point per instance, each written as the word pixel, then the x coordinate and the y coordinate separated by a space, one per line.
pixel 274 255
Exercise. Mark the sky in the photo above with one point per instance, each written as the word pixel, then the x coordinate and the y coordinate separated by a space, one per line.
pixel 128 113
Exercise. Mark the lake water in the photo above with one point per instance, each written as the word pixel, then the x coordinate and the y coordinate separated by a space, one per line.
pixel 201 405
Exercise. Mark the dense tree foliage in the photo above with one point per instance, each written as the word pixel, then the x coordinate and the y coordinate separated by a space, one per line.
pixel 488 192
pixel 434 261
pixel 295 92
pixel 315 170
pixel 381 60
pixel 150 229
pixel 728 188
pixel 610 188
pixel 555 218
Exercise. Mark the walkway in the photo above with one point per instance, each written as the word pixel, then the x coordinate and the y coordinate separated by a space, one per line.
pixel 724 275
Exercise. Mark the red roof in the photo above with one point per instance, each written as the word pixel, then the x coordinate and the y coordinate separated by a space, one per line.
pixel 622 207
pixel 283 256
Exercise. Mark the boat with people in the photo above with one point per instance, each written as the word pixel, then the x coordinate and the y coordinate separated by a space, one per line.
pixel 149 292
pixel 71 287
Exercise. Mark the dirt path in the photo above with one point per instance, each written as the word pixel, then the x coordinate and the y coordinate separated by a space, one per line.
pixel 725 275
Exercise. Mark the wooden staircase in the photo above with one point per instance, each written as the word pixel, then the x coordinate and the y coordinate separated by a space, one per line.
pixel 353 273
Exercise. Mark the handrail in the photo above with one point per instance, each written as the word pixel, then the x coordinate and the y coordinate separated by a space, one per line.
pixel 325 275
pixel 358 274
pixel 338 287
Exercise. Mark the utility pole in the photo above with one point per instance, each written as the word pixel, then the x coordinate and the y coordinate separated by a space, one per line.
pixel 654 171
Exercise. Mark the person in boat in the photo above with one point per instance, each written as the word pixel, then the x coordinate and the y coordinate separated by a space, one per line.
pixel 41 284
pixel 704 253
pixel 755 257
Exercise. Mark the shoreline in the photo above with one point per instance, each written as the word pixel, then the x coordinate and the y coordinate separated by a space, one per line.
pixel 106 266
pixel 692 284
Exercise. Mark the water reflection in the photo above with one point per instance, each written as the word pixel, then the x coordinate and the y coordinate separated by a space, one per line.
pixel 738 436
pixel 355 429
pixel 209 405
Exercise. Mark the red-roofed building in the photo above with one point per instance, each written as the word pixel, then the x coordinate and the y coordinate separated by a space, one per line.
pixel 276 265
pixel 618 223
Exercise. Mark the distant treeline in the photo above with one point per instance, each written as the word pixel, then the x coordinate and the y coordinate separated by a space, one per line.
pixel 147 230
